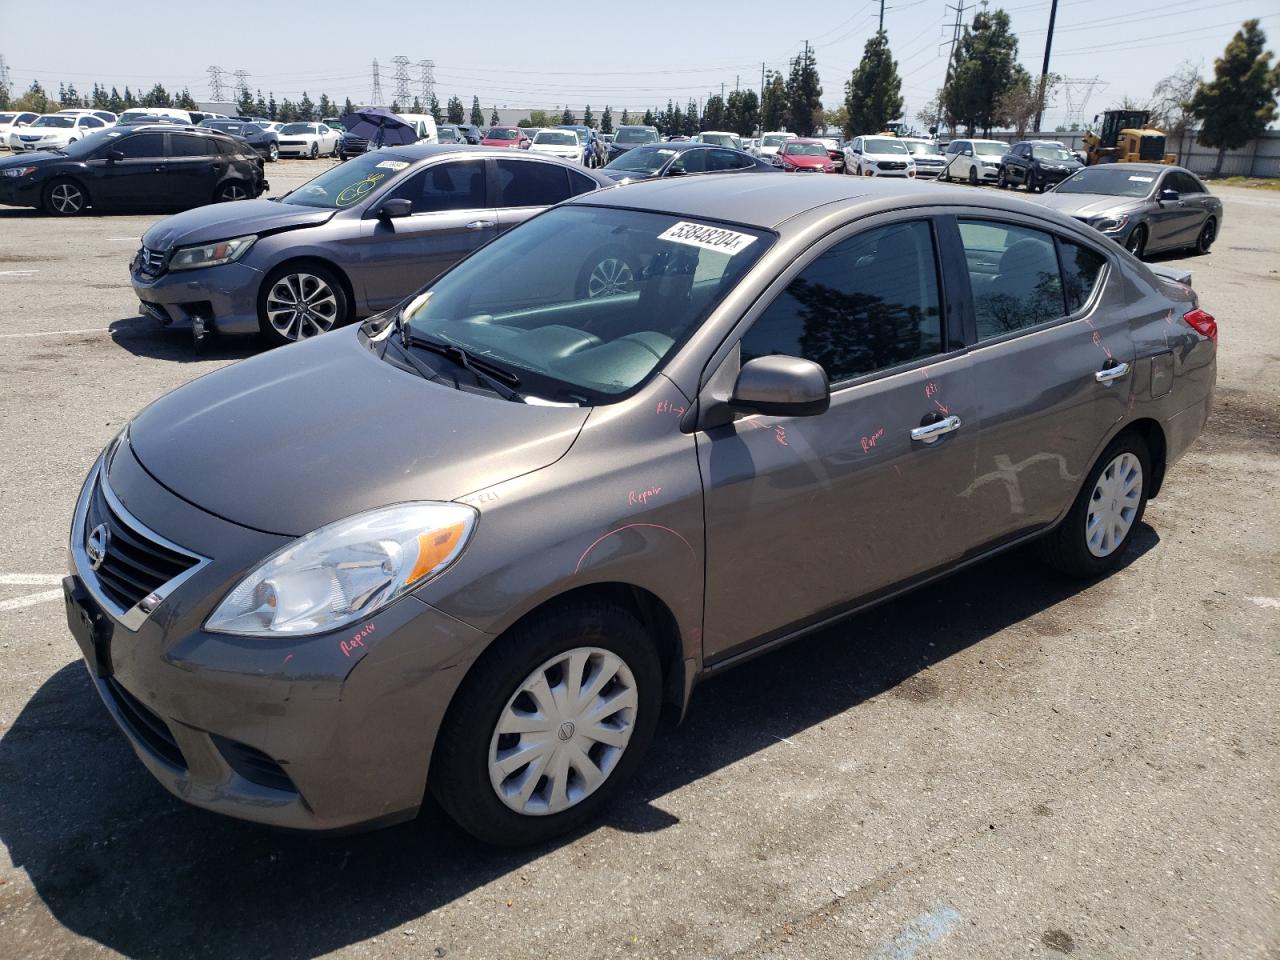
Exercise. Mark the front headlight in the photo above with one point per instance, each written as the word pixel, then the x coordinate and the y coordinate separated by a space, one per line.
pixel 345 571
pixel 211 254
pixel 19 171
pixel 1109 224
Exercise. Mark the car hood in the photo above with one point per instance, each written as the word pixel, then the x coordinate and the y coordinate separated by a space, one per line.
pixel 290 440
pixel 34 158
pixel 1088 205
pixel 218 221
pixel 803 161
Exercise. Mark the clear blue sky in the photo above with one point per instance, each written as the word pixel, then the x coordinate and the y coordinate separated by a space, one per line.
pixel 573 52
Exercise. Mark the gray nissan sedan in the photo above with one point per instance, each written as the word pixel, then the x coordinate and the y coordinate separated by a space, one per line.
pixel 484 538
pixel 353 241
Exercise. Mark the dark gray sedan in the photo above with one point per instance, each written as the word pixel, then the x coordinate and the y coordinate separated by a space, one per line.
pixel 355 240
pixel 478 544
pixel 657 160
pixel 1144 207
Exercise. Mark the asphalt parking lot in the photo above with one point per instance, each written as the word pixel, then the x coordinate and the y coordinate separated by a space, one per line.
pixel 1008 764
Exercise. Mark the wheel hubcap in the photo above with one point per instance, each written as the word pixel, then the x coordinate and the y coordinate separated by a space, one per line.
pixel 610 278
pixel 66 198
pixel 563 732
pixel 300 305
pixel 1113 505
pixel 234 192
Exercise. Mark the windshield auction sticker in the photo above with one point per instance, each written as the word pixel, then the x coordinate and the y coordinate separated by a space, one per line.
pixel 708 238
pixel 393 164
pixel 1142 179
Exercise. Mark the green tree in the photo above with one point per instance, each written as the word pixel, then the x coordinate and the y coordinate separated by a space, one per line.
pixel 348 107
pixel 713 112
pixel 100 100
pixel 773 107
pixel 692 122
pixel 1238 103
pixel 70 98
pixel 873 94
pixel 985 68
pixel 675 121
pixel 539 118
pixel 288 111
pixel 1022 102
pixel 626 117
pixel 130 101
pixel 433 108
pixel 588 118
pixel 567 116
pixel 477 115
pixel 185 101
pixel 455 111
pixel 395 106
pixel 35 99
pixel 649 119
pixel 606 120
pixel 157 96
pixel 741 113
pixel 494 119
pixel 260 105
pixel 244 105
pixel 325 107
pixel 4 97
pixel 306 109
pixel 273 111
pixel 115 102
pixel 804 95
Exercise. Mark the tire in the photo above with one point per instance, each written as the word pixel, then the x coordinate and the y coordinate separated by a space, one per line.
pixel 1208 233
pixel 64 197
pixel 315 151
pixel 320 289
pixel 1002 181
pixel 607 272
pixel 1068 547
pixel 273 153
pixel 973 176
pixel 230 191
pixel 1137 242
pixel 467 776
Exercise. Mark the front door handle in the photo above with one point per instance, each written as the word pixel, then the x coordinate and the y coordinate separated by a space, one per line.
pixel 1113 372
pixel 930 432
pixel 479 224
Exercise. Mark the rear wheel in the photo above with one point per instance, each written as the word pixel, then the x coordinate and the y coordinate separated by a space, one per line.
pixel 300 301
pixel 1137 242
pixel 548 725
pixel 233 190
pixel 1208 233
pixel 65 198
pixel 1093 538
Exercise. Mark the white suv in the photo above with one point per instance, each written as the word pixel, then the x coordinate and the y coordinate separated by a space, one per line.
pixel 878 157
pixel 977 161
pixel 770 142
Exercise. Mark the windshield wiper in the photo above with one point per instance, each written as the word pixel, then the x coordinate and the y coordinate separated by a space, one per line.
pixel 496 378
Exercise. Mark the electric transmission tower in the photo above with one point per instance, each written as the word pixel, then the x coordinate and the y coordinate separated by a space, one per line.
pixel 375 96
pixel 1077 91
pixel 242 84
pixel 216 91
pixel 5 83
pixel 427 70
pixel 402 95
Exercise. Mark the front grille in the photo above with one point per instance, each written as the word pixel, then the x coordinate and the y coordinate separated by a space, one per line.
pixel 145 725
pixel 152 262
pixel 254 765
pixel 891 165
pixel 354 144
pixel 292 143
pixel 133 565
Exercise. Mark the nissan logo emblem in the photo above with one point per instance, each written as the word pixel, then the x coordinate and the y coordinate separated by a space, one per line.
pixel 96 545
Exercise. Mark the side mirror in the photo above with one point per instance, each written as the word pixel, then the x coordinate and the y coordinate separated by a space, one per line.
pixel 115 155
pixel 781 386
pixel 968 153
pixel 1168 195
pixel 394 208
pixel 676 172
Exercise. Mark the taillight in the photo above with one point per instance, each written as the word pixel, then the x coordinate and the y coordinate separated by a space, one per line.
pixel 1203 324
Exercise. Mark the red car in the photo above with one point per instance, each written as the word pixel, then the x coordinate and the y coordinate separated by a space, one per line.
pixel 503 137
pixel 804 156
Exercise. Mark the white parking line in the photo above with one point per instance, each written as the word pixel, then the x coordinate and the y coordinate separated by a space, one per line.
pixel 30 600
pixel 53 333
pixel 1272 603
pixel 29 579
pixel 17 273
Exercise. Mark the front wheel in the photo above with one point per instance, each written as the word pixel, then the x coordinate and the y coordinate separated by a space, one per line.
pixel 1002 181
pixel 315 151
pixel 273 153
pixel 1137 242
pixel 548 725
pixel 300 301
pixel 973 176
pixel 64 198
pixel 1097 531
pixel 1208 233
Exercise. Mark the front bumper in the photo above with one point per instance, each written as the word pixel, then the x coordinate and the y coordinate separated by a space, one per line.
pixel 308 733
pixel 19 192
pixel 226 296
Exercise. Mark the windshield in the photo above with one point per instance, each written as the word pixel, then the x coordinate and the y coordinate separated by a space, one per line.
pixel 7 117
pixel 229 127
pixel 91 142
pixel 643 160
pixel 136 115
pixel 298 128
pixel 636 136
pixel 348 182
pixel 804 150
pixel 884 145
pixel 990 148
pixel 535 299
pixel 55 122
pixel 557 138
pixel 1111 180
pixel 919 148
pixel 1051 153
pixel 776 140
pixel 499 133
pixel 722 140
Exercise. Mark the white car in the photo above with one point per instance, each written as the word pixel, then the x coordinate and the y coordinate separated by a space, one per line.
pixel 53 131
pixel 14 120
pixel 878 157
pixel 106 116
pixel 308 140
pixel 558 143
pixel 927 155
pixel 720 138
pixel 770 142
pixel 974 160
pixel 147 114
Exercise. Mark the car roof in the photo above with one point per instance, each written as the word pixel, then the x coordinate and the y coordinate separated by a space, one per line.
pixel 1141 167
pixel 766 201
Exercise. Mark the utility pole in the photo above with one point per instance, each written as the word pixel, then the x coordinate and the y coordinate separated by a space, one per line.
pixel 722 90
pixel 1044 69
pixel 881 16
pixel 951 58
pixel 762 96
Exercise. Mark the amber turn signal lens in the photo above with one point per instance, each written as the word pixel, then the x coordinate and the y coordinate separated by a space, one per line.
pixel 434 548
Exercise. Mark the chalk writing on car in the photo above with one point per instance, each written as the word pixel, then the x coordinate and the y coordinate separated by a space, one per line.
pixel 642 496
pixel 871 441
pixel 358 639
pixel 666 406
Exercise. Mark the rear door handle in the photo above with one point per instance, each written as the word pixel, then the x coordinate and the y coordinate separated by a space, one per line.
pixel 1114 372
pixel 479 224
pixel 932 431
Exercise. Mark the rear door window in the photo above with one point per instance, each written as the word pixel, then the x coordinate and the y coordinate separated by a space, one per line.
pixel 181 145
pixel 1013 273
pixel 870 302
pixel 531 183
pixel 1081 269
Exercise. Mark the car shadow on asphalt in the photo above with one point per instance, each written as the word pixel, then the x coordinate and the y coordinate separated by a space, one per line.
pixel 117 860
pixel 145 337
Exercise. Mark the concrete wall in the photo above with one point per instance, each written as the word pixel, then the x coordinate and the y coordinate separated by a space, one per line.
pixel 1259 158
